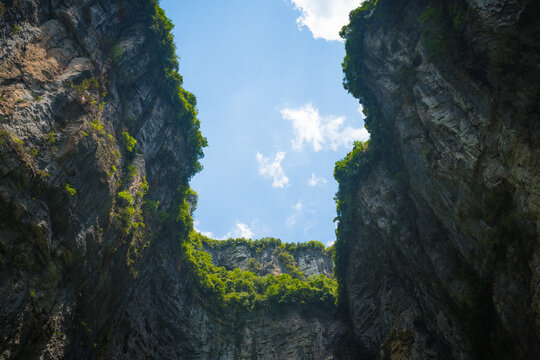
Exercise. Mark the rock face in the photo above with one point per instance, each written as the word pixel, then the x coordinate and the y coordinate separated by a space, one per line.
pixel 87 271
pixel 263 260
pixel 73 79
pixel 166 319
pixel 444 256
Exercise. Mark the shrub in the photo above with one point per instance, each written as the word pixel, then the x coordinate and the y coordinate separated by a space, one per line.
pixel 71 191
pixel 125 197
pixel 129 142
pixel 116 53
pixel 51 139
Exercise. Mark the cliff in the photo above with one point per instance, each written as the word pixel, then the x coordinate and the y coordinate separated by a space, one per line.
pixel 86 133
pixel 98 257
pixel 438 251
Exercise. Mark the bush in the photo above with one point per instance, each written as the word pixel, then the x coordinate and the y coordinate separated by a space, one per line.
pixel 237 289
pixel 71 191
pixel 51 139
pixel 125 197
pixel 129 142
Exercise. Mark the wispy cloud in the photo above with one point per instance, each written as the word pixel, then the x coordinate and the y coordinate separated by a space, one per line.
pixel 298 206
pixel 196 224
pixel 239 230
pixel 324 18
pixel 321 132
pixel 361 111
pixel 314 181
pixel 272 169
pixel 302 214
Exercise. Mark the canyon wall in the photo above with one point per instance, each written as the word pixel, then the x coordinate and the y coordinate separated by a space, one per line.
pixel 438 242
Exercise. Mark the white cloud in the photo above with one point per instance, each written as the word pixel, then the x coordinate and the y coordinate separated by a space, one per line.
pixel 239 230
pixel 328 132
pixel 298 206
pixel 297 214
pixel 208 234
pixel 292 219
pixel 324 18
pixel 273 169
pixel 314 181
pixel 330 243
pixel 361 111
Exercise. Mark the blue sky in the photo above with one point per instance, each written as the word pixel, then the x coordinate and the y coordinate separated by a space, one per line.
pixel 268 81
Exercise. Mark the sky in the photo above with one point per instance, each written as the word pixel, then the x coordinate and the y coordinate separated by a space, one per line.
pixel 268 81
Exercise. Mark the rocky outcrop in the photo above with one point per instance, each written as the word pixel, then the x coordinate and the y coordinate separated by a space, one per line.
pixel 168 319
pixel 272 257
pixel 444 252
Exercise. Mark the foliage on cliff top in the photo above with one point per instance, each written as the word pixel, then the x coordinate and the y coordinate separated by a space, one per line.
pixel 262 244
pixel 244 290
pixel 183 102
pixel 237 289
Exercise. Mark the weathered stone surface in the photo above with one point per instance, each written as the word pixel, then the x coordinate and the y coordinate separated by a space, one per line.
pixel 266 260
pixel 74 284
pixel 447 246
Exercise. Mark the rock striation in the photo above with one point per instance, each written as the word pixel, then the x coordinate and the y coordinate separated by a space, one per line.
pixel 443 225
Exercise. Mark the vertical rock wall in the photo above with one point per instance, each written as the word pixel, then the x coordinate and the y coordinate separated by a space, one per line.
pixel 445 252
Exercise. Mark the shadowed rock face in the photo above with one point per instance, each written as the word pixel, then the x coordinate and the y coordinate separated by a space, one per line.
pixel 65 263
pixel 444 262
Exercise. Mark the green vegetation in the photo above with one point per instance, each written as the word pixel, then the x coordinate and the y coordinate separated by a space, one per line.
pixel 51 139
pixel 16 28
pixel 182 101
pixel 151 207
pixel 442 24
pixel 125 197
pixel 71 191
pixel 117 53
pixel 129 142
pixel 237 289
pixel 90 92
pixel 97 126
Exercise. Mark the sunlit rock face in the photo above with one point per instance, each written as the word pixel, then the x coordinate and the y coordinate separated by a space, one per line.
pixel 267 260
pixel 445 260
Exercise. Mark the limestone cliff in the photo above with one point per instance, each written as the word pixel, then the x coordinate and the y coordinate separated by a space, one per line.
pixel 97 143
pixel 86 132
pixel 438 248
